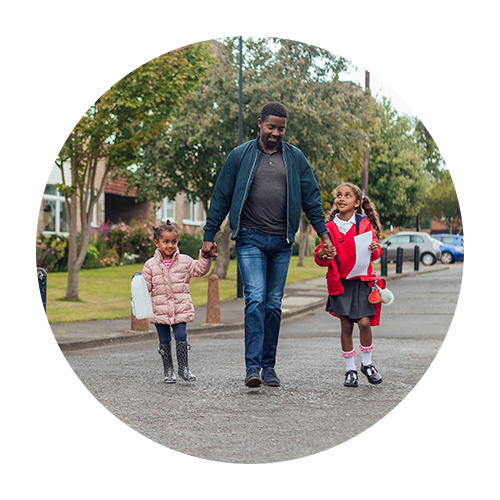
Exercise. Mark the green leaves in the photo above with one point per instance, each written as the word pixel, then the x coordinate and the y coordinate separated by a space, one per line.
pixel 103 97
pixel 326 117
pixel 397 177
pixel 111 135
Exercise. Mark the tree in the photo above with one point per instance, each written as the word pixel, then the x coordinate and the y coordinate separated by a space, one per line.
pixel 189 155
pixel 326 120
pixel 398 180
pixel 113 131
pixel 442 201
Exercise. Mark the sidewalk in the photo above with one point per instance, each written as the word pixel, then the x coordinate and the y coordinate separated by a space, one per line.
pixel 299 298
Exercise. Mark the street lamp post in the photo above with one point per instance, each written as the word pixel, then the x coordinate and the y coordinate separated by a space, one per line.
pixel 240 96
pixel 239 291
pixel 364 172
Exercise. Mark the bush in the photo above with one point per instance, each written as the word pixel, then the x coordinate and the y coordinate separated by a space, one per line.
pixel 132 243
pixel 91 259
pixel 52 252
pixel 109 258
pixel 118 244
pixel 140 242
pixel 190 245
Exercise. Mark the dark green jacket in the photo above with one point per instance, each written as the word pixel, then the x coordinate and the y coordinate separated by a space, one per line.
pixel 234 181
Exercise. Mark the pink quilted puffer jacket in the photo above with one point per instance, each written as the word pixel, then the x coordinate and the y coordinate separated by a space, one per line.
pixel 169 288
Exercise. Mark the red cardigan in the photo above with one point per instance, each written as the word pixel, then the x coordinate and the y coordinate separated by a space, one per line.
pixel 346 256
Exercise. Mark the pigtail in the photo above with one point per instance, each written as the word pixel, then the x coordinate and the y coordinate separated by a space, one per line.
pixel 371 213
pixel 331 214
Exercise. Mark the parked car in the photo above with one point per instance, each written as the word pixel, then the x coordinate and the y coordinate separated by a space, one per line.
pixel 450 239
pixel 430 250
pixel 452 247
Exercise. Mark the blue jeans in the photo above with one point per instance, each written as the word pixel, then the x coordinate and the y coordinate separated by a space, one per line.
pixel 164 337
pixel 263 261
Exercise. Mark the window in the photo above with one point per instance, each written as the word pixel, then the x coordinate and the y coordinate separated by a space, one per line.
pixel 194 215
pixel 55 219
pixel 451 240
pixel 402 238
pixel 93 222
pixel 166 211
pixel 417 239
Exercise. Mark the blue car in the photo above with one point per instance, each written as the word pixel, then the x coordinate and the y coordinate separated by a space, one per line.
pixel 452 247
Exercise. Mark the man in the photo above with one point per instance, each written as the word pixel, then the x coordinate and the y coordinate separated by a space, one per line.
pixel 263 184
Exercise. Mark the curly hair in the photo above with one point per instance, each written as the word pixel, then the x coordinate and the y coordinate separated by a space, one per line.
pixel 365 203
pixel 273 109
pixel 158 231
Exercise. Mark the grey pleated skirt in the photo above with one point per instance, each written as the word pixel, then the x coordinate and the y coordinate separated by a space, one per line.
pixel 353 303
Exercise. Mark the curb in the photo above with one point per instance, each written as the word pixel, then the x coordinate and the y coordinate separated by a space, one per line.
pixel 131 336
pixel 120 339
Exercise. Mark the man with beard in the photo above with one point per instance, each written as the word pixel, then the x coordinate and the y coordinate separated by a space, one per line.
pixel 263 184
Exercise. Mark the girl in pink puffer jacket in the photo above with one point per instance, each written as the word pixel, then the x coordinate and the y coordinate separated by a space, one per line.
pixel 167 275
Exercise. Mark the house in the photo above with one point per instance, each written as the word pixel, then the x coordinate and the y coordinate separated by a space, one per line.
pixel 117 205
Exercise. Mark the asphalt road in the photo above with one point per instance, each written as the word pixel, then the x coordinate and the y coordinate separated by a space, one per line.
pixel 218 418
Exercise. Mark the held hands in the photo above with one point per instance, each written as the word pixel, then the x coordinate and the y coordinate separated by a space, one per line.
pixel 328 251
pixel 209 249
pixel 323 254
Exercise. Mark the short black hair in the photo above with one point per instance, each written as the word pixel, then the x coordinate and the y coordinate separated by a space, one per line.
pixel 274 109
pixel 158 231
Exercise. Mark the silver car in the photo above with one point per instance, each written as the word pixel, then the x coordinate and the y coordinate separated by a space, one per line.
pixel 430 251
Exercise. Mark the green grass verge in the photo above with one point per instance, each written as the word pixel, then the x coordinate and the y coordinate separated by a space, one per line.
pixel 105 293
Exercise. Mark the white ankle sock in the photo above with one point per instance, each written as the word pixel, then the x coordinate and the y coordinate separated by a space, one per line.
pixel 366 353
pixel 349 360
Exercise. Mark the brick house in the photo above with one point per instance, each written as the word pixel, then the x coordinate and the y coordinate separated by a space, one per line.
pixel 116 205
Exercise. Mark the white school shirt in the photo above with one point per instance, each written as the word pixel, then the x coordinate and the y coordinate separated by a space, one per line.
pixel 344 225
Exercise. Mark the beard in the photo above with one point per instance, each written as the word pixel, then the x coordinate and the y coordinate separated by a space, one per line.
pixel 269 142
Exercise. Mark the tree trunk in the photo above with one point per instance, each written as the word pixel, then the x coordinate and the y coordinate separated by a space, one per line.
pixel 305 230
pixel 223 240
pixel 76 255
pixel 72 284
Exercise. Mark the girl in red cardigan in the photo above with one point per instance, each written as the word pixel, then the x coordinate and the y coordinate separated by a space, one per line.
pixel 348 290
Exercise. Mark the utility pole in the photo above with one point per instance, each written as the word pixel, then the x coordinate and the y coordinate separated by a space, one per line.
pixel 240 96
pixel 366 152
pixel 239 291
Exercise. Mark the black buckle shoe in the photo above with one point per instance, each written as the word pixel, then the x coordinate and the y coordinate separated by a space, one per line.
pixel 372 374
pixel 351 378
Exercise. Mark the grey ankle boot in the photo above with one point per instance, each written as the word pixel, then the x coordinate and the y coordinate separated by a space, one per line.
pixel 182 360
pixel 168 365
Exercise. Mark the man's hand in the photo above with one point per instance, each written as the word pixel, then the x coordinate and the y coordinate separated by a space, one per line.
pixel 209 249
pixel 328 251
pixel 322 254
